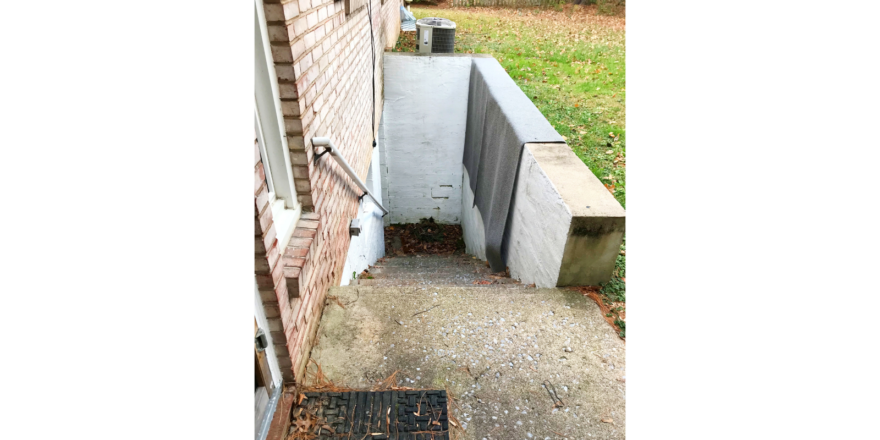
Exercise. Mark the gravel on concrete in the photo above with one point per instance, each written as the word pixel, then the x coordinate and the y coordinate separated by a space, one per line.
pixel 492 348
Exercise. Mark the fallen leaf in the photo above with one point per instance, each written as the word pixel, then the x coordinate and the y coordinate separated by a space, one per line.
pixel 608 420
pixel 609 152
pixel 577 105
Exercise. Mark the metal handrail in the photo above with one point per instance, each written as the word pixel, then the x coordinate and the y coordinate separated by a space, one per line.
pixel 330 148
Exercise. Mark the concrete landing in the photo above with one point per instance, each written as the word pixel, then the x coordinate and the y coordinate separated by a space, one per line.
pixel 492 347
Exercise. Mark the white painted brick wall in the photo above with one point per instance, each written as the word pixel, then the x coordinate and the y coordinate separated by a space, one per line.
pixel 369 246
pixel 423 127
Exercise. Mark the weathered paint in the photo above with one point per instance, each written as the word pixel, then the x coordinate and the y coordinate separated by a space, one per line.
pixel 471 220
pixel 423 127
pixel 369 246
pixel 553 238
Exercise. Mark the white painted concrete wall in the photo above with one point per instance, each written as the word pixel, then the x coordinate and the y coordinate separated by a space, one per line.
pixel 471 220
pixel 369 246
pixel 538 225
pixel 423 127
pixel 263 323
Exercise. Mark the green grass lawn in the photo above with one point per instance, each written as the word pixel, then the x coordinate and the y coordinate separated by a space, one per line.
pixel 572 65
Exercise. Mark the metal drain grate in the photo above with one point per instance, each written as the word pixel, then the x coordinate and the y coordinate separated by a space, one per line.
pixel 398 415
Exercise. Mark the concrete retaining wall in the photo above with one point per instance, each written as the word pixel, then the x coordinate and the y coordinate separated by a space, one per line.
pixel 537 225
pixel 423 125
pixel 471 220
pixel 564 227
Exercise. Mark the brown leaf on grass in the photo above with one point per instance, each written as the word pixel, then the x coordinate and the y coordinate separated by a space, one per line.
pixel 592 292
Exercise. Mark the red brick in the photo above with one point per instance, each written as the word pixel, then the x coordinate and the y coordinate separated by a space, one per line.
pixel 281 297
pixel 300 252
pixel 324 77
pixel 291 10
pixel 309 216
pixel 307 224
pixel 293 262
pixel 269 237
pixel 300 242
pixel 273 256
pixel 265 220
pixel 302 232
pixel 262 200
pixel 259 177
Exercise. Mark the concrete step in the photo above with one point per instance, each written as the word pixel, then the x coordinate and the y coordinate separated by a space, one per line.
pixel 385 282
pixel 492 347
pixel 433 270
pixel 430 260
pixel 391 271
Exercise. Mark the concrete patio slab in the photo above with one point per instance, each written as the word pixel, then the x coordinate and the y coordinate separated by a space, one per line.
pixel 493 349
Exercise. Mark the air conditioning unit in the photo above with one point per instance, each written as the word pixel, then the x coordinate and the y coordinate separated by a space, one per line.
pixel 435 35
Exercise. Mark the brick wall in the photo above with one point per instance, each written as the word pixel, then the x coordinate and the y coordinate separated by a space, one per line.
pixel 267 266
pixel 323 62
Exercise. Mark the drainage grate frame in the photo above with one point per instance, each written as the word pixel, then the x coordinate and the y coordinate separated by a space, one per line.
pixel 377 415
